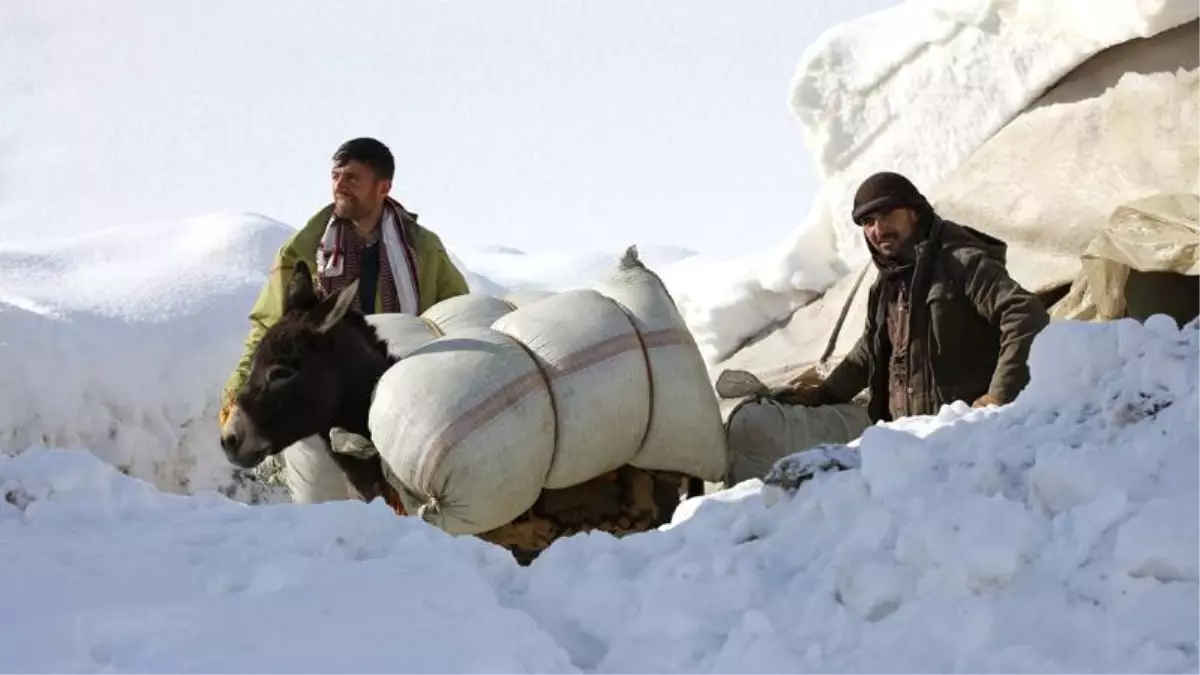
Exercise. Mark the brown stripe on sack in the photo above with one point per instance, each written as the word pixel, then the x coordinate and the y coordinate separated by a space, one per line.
pixel 508 395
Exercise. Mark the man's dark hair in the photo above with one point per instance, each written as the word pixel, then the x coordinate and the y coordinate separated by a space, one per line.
pixel 368 151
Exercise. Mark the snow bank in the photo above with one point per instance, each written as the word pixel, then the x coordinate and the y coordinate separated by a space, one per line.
pixel 102 573
pixel 916 88
pixel 921 86
pixel 1059 533
pixel 119 341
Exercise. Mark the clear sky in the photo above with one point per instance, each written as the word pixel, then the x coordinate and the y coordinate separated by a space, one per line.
pixel 549 124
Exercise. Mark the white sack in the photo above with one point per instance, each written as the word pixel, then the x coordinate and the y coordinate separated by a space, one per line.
pixel 405 332
pixel 311 475
pixel 591 358
pixel 686 433
pixel 466 424
pixel 761 432
pixel 473 310
pixel 554 394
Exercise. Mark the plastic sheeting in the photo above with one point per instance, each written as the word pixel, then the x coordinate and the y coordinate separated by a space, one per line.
pixel 1156 234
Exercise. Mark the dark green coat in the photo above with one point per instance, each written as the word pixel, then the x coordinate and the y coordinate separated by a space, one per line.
pixel 971 327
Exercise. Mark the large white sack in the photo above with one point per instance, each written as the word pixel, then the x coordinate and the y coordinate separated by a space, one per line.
pixel 473 310
pixel 404 332
pixel 311 475
pixel 762 431
pixel 556 393
pixel 590 357
pixel 466 425
pixel 686 433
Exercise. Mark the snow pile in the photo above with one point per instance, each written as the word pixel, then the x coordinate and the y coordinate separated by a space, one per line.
pixel 1059 533
pixel 103 574
pixel 118 341
pixel 915 88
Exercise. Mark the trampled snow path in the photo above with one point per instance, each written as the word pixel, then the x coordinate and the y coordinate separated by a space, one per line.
pixel 1058 533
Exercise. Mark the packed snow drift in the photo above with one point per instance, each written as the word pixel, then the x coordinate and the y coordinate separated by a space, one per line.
pixel 1057 534
pixel 117 341
pixel 915 88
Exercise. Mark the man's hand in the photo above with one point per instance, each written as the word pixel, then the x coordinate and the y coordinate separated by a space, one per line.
pixel 986 400
pixel 806 394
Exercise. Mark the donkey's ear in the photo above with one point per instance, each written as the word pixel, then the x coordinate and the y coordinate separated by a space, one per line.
pixel 300 293
pixel 333 309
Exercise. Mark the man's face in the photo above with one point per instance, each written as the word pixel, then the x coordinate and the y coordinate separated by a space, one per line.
pixel 889 232
pixel 357 191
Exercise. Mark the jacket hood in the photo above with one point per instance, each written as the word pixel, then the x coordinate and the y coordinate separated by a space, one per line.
pixel 955 236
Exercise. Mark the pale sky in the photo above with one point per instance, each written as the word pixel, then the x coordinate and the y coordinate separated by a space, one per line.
pixel 555 124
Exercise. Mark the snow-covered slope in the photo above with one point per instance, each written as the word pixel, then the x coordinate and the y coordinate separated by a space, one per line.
pixel 118 341
pixel 1057 534
pixel 916 88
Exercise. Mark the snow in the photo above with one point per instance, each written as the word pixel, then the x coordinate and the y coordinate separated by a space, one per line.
pixel 1058 533
pixel 915 88
pixel 118 341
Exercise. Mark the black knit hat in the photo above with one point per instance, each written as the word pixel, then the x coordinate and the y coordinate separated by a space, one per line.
pixel 886 191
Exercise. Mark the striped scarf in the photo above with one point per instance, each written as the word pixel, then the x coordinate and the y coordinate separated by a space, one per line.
pixel 339 259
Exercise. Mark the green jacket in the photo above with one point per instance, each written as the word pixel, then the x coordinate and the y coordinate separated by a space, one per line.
pixel 971 328
pixel 437 277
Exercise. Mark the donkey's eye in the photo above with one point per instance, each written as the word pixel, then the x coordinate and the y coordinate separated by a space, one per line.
pixel 276 374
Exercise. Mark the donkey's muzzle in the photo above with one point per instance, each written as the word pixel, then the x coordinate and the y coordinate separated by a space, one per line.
pixel 241 445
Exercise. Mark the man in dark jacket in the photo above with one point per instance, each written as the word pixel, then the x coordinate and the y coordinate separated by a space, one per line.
pixel 945 321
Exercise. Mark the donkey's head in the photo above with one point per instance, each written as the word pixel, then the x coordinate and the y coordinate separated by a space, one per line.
pixel 313 370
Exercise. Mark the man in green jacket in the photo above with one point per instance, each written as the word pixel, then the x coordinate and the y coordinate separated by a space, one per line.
pixel 363 234
pixel 945 321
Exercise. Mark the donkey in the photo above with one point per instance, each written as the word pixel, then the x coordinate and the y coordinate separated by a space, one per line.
pixel 314 370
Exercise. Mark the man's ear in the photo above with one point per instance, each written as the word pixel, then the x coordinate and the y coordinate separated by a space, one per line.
pixel 300 293
pixel 331 310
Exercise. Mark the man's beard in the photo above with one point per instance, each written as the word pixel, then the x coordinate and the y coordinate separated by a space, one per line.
pixel 900 253
pixel 349 208
pixel 893 250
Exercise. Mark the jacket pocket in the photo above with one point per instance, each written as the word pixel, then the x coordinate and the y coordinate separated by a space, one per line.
pixel 941 305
